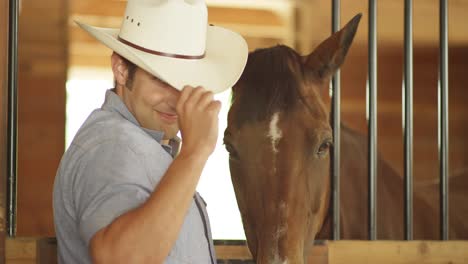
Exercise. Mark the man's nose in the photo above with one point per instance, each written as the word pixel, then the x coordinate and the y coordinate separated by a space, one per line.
pixel 173 97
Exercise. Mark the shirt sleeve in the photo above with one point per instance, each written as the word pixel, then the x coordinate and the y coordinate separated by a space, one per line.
pixel 112 180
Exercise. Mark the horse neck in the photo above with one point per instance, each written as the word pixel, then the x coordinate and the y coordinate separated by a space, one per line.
pixel 355 178
pixel 354 197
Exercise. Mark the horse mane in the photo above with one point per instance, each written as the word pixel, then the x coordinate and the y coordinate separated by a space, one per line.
pixel 271 82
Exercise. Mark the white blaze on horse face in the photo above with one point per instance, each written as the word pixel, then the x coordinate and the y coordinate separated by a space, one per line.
pixel 275 132
pixel 275 135
pixel 280 232
pixel 277 260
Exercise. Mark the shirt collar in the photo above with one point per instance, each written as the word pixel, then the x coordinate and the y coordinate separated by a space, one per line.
pixel 113 103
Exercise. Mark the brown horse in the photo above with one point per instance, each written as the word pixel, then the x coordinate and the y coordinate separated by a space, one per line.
pixel 279 139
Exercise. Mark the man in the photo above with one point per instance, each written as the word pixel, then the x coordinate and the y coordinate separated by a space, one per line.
pixel 121 194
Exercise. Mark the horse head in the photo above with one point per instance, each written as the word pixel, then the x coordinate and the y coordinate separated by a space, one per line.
pixel 279 139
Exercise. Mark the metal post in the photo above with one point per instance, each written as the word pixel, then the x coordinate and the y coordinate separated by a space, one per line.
pixel 372 121
pixel 443 121
pixel 12 117
pixel 408 119
pixel 336 130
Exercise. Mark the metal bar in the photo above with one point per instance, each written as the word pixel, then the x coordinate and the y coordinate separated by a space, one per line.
pixel 336 130
pixel 12 117
pixel 372 121
pixel 443 121
pixel 408 119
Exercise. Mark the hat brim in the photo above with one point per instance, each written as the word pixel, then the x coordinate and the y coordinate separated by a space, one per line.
pixel 225 58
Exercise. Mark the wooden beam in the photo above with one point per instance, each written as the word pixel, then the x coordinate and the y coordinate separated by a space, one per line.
pixel 332 252
pixel 232 252
pixel 21 249
pixel 314 17
pixel 97 8
pixel 251 19
pixel 398 252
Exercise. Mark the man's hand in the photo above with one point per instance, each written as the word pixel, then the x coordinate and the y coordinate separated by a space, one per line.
pixel 198 120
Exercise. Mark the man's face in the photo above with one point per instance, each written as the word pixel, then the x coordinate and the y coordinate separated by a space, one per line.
pixel 153 103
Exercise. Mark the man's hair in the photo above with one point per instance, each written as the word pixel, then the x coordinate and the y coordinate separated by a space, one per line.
pixel 131 67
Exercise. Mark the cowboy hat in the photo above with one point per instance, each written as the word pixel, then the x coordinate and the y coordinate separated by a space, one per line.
pixel 171 39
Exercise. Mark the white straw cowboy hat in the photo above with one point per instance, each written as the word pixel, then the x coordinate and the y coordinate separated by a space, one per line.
pixel 172 40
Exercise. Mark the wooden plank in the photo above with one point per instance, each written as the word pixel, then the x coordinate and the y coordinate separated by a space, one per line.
pixel 28 249
pixel 35 16
pixel 246 13
pixel 41 120
pixel 398 252
pixel 50 154
pixel 39 35
pixel 21 249
pixel 20 261
pixel 333 252
pixel 31 250
pixel 43 66
pixel 98 8
pixel 232 252
pixel 90 61
pixel 258 17
pixel 42 4
pixel 41 50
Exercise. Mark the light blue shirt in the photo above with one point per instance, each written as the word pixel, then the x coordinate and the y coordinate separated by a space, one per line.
pixel 111 167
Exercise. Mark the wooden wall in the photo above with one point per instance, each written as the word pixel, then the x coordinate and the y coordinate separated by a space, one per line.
pixel 3 120
pixel 297 23
pixel 41 115
pixel 260 21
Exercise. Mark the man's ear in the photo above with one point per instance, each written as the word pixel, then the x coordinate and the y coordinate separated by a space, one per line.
pixel 330 54
pixel 120 69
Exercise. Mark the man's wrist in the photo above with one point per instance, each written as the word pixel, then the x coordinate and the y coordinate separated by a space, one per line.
pixel 197 155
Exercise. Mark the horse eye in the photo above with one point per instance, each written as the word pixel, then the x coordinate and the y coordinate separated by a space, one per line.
pixel 232 151
pixel 324 148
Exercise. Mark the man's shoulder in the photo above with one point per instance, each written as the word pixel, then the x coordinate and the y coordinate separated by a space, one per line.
pixel 109 128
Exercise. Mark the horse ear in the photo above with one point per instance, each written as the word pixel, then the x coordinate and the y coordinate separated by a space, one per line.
pixel 330 54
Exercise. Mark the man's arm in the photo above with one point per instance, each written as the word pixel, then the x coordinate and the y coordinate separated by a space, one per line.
pixel 147 233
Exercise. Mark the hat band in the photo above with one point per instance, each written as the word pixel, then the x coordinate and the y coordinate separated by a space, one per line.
pixel 154 52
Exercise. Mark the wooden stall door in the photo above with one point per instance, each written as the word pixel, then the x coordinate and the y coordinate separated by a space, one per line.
pixel 42 72
pixel 3 120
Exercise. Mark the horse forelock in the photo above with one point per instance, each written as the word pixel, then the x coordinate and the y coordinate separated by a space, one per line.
pixel 271 82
